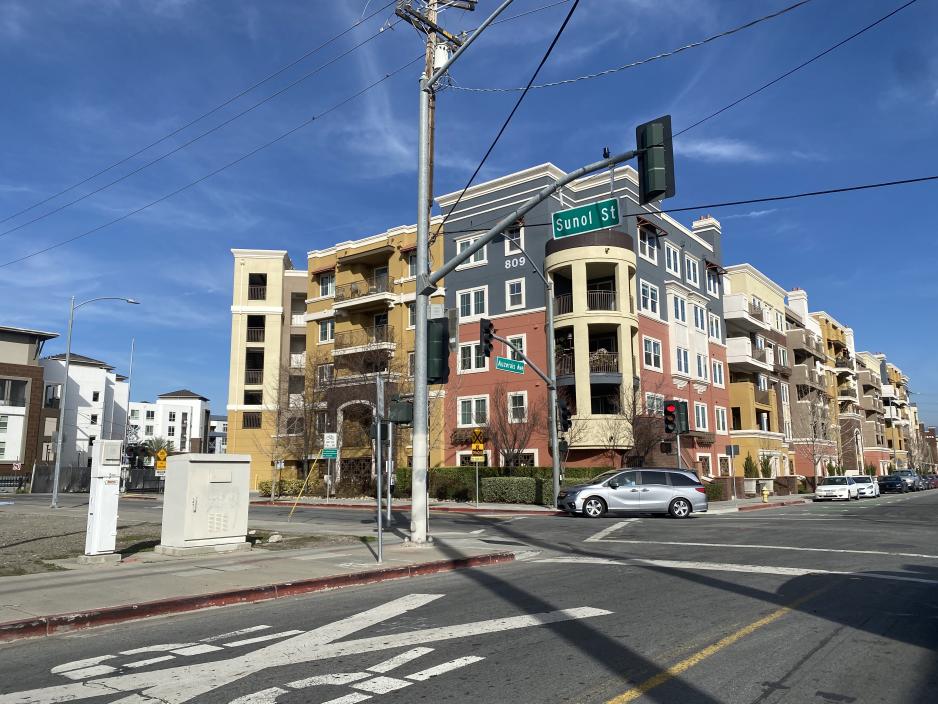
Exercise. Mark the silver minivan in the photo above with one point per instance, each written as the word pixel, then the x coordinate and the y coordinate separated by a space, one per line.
pixel 677 492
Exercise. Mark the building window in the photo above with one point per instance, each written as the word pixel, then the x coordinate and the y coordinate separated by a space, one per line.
pixel 704 461
pixel 410 364
pixel 683 365
pixel 151 415
pixel 692 270
pixel 412 265
pixel 654 404
pixel 477 259
pixel 652 349
pixel 94 419
pixel 519 459
pixel 324 374
pixel 171 431
pixel 719 414
pixel 702 366
pixel 172 416
pixel 249 421
pixel 514 240
pixel 680 309
pixel 716 327
pixel 135 414
pixel 4 423
pixel 713 283
pixel 649 298
pixel 700 416
pixel 327 330
pixel 782 354
pixel 700 318
pixel 518 407
pixel 472 303
pixel 473 411
pixel 411 315
pixel 672 259
pixel 95 396
pixel 514 294
pixel 718 373
pixel 148 429
pixel 327 283
pixel 3 449
pixel 762 382
pixel 647 245
pixel 783 389
pixel 471 358
pixel 517 341
pixel 253 398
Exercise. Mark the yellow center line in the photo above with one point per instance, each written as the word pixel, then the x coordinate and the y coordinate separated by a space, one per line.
pixel 701 655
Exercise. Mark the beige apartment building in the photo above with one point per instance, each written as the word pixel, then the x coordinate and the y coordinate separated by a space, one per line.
pixel 876 453
pixel 895 394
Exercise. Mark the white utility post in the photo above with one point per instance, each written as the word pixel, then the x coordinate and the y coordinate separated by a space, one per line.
pixel 101 532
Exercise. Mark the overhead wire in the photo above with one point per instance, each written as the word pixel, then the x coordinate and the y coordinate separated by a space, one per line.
pixel 201 117
pixel 641 62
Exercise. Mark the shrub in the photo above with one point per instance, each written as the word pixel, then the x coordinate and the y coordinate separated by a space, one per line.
pixel 512 490
pixel 871 470
pixel 749 467
pixel 458 483
pixel 292 487
pixel 765 466
pixel 715 491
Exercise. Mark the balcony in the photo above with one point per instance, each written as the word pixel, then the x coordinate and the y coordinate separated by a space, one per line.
pixel 781 367
pixel 601 300
pixel 742 355
pixel 701 436
pixel 379 337
pixel 599 363
pixel 298 319
pixel 367 292
pixel 847 392
pixel 802 375
pixel 254 376
pixel 563 304
pixel 604 362
pixel 257 293
pixel 845 365
pixel 761 396
pixel 298 360
pixel 806 342
pixel 255 334
pixel 742 315
pixel 869 403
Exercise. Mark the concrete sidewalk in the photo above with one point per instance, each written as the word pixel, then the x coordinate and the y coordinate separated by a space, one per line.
pixel 756 504
pixel 151 585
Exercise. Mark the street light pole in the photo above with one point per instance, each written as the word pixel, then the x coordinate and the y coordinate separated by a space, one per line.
pixel 68 357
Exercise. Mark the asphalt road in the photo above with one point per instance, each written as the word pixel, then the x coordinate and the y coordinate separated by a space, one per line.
pixel 819 603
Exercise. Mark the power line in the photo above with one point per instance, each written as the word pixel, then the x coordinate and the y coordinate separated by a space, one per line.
pixel 797 68
pixel 752 201
pixel 195 139
pixel 511 114
pixel 207 176
pixel 201 117
pixel 640 62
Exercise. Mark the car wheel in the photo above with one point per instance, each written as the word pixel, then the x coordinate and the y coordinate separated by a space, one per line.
pixel 679 508
pixel 594 507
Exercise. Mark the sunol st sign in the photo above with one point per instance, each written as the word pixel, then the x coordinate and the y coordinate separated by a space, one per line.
pixel 586 218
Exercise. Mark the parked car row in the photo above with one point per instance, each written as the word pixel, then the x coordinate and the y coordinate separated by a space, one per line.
pixel 847 488
pixel 912 480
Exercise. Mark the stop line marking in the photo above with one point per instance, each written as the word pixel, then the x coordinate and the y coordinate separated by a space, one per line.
pixel 596 537
pixel 771 547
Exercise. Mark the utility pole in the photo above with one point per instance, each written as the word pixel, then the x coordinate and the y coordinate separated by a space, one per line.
pixel 125 474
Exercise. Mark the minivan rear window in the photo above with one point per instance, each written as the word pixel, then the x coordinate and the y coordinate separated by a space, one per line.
pixel 678 479
pixel 654 478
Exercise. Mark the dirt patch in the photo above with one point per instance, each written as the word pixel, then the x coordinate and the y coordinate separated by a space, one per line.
pixel 292 542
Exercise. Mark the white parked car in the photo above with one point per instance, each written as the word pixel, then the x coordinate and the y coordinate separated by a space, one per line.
pixel 837 488
pixel 866 485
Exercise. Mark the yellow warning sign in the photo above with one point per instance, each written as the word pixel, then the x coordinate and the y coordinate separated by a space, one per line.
pixel 161 455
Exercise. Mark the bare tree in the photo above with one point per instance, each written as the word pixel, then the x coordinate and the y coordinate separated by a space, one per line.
pixel 645 423
pixel 615 433
pixel 511 427
pixel 917 449
pixel 813 428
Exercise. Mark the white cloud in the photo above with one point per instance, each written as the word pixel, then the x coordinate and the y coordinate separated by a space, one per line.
pixel 750 214
pixel 12 17
pixel 721 149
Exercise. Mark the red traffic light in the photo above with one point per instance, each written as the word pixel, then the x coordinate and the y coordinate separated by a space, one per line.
pixel 670 408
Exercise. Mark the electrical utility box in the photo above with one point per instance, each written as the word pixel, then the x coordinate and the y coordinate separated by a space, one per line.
pixel 101 534
pixel 205 504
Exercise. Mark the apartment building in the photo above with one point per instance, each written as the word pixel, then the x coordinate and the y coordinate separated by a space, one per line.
pixel 21 398
pixel 760 368
pixel 96 406
pixel 614 293
pixel 181 417
pixel 895 395
pixel 876 452
pixel 218 435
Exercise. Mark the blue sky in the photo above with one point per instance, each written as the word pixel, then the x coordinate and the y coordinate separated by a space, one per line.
pixel 88 82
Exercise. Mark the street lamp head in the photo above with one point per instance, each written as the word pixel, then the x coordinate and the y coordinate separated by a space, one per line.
pixel 132 301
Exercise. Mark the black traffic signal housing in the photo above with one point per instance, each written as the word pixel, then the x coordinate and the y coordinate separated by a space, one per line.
pixel 655 160
pixel 670 417
pixel 401 411
pixel 437 351
pixel 682 425
pixel 486 331
pixel 563 415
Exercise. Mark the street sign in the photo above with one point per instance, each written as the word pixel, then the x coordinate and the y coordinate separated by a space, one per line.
pixel 330 441
pixel 732 450
pixel 504 364
pixel 17 466
pixel 330 453
pixel 278 464
pixel 161 454
pixel 586 218
pixel 477 459
pixel 478 447
pixel 160 466
pixel 477 436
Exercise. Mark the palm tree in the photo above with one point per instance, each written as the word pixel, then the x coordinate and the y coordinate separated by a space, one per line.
pixel 154 445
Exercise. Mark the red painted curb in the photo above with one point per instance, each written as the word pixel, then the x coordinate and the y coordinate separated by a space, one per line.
pixel 777 504
pixel 405 507
pixel 59 623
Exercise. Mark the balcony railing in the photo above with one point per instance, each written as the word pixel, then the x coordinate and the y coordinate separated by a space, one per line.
pixel 257 293
pixel 364 337
pixel 601 300
pixel 565 365
pixel 845 390
pixel 845 363
pixel 758 354
pixel 563 304
pixel 253 376
pixel 761 396
pixel 255 334
pixel 297 319
pixel 298 360
pixel 359 289
pixel 804 376
pixel 604 362
pixel 756 312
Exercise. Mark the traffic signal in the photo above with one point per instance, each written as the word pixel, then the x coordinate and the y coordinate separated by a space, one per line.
pixel 670 416
pixel 655 160
pixel 682 426
pixel 400 411
pixel 486 331
pixel 437 351
pixel 563 415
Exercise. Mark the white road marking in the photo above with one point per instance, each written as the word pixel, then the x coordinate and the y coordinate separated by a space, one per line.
pixel 734 567
pixel 261 639
pixel 161 648
pixel 772 547
pixel 382 685
pixel 398 660
pixel 86 672
pixel 265 696
pixel 476 532
pixel 198 649
pixel 445 667
pixel 233 634
pixel 149 661
pixel 337 679
pixel 353 698
pixel 185 683
pixel 76 664
pixel 596 537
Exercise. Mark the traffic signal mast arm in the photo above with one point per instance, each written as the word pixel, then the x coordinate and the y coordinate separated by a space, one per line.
pixel 510 219
pixel 547 380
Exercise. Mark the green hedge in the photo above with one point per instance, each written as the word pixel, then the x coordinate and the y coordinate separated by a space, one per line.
pixel 715 491
pixel 513 490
